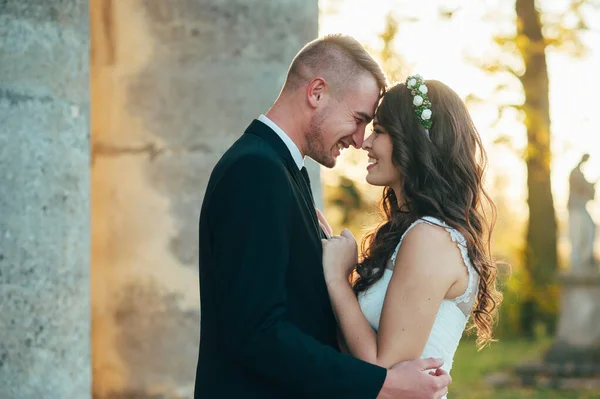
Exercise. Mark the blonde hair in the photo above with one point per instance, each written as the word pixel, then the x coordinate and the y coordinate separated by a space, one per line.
pixel 338 58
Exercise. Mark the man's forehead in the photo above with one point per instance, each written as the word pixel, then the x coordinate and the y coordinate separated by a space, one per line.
pixel 362 97
pixel 365 106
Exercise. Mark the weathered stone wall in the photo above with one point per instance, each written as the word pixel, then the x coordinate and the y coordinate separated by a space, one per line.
pixel 44 200
pixel 173 85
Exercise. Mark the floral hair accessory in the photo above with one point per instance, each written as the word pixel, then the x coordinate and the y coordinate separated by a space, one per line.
pixel 416 85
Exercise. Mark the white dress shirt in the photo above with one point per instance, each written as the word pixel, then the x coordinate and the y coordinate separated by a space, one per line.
pixel 292 147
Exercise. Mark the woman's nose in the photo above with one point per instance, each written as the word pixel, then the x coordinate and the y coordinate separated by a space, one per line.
pixel 367 143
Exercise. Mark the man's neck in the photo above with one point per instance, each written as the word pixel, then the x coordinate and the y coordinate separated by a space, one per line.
pixel 287 120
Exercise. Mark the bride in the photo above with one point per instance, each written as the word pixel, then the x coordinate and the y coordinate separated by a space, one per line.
pixel 427 267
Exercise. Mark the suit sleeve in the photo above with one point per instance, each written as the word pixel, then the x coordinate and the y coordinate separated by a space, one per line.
pixel 251 223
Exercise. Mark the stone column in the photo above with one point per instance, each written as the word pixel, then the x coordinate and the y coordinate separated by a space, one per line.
pixel 44 200
pixel 174 84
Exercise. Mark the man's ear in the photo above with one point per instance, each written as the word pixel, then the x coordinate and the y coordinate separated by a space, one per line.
pixel 315 91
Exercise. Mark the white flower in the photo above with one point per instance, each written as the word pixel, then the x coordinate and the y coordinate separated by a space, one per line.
pixel 418 100
pixel 426 114
pixel 411 83
pixel 423 89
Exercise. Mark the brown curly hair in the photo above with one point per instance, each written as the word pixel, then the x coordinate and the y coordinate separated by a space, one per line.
pixel 442 176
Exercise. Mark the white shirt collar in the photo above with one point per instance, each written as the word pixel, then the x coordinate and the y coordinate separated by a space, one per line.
pixel 292 147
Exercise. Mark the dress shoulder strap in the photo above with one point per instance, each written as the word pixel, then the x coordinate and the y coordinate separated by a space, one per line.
pixel 461 243
pixel 395 254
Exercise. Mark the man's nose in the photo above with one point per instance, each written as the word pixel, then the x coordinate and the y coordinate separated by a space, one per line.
pixel 358 138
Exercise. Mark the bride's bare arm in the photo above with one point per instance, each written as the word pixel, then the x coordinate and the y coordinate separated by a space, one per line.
pixel 428 265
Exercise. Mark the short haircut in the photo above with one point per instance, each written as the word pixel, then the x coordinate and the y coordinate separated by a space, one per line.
pixel 338 58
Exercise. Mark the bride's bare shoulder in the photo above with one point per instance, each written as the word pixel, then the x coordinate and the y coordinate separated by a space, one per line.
pixel 430 247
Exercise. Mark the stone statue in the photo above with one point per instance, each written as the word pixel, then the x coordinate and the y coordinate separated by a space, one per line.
pixel 582 230
pixel 575 352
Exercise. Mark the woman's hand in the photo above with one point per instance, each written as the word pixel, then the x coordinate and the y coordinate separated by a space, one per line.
pixel 340 256
pixel 323 223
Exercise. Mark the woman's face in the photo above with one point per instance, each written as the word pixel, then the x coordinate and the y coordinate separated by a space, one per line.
pixel 381 170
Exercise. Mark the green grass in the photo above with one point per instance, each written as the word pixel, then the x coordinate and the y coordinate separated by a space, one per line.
pixel 470 367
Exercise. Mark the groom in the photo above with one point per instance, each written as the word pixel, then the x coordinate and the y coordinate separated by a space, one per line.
pixel 268 331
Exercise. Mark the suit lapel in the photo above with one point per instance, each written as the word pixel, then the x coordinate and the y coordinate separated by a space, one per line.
pixel 266 133
pixel 308 198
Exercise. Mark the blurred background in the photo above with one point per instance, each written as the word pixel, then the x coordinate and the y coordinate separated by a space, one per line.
pixel 533 120
pixel 119 109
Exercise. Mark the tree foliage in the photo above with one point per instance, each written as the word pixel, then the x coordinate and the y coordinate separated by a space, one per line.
pixel 521 61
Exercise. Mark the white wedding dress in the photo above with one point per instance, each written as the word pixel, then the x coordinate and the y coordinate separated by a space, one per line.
pixel 452 317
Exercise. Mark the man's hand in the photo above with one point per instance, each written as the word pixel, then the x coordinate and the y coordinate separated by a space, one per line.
pixel 410 380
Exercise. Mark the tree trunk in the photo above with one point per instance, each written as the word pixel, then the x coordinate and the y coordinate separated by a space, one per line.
pixel 541 251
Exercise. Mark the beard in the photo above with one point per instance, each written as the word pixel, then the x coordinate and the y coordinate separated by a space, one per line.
pixel 315 141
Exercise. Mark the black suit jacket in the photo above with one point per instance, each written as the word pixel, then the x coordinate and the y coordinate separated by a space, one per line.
pixel 267 328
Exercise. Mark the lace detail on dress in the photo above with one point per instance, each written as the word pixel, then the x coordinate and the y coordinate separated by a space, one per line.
pixel 395 254
pixel 461 243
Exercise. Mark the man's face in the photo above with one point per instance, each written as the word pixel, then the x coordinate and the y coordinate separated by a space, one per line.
pixel 341 122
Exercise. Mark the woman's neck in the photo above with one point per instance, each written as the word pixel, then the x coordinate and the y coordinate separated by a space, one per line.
pixel 400 199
